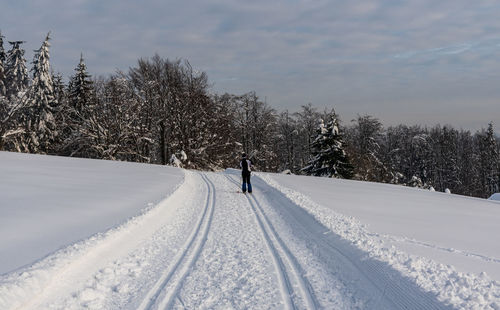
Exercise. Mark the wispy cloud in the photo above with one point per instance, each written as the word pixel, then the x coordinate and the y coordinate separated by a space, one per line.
pixel 488 47
pixel 383 57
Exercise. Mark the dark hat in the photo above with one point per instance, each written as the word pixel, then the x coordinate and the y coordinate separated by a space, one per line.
pixel 244 155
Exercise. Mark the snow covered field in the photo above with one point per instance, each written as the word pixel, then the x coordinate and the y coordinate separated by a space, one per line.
pixel 97 234
pixel 48 202
pixel 452 229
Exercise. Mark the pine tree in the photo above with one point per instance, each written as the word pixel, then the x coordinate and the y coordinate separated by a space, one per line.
pixel 79 111
pixel 41 104
pixel 329 157
pixel 3 56
pixel 80 91
pixel 59 87
pixel 489 162
pixel 16 72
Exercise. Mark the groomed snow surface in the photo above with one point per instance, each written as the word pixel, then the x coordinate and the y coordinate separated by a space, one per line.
pixel 107 235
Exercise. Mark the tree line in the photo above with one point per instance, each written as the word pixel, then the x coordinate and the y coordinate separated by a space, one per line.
pixel 162 111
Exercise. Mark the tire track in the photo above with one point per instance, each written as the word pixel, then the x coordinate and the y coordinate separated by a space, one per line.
pixel 277 246
pixel 165 290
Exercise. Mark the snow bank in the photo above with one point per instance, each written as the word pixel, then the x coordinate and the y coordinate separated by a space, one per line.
pixel 45 202
pixel 349 209
pixel 495 197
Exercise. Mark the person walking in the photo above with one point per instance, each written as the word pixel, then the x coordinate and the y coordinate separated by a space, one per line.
pixel 246 169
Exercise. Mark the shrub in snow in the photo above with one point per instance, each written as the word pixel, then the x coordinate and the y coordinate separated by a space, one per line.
pixel 432 189
pixel 447 191
pixel 174 161
pixel 415 182
pixel 286 171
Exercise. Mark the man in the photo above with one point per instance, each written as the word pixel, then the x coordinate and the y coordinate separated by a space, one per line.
pixel 246 168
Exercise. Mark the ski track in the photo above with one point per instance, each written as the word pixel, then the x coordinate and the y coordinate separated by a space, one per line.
pixel 276 246
pixel 235 269
pixel 104 271
pixel 372 283
pixel 169 283
pixel 207 246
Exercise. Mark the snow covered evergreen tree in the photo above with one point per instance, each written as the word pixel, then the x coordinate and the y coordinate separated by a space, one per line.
pixel 79 111
pixel 16 72
pixel 80 92
pixel 41 129
pixel 11 126
pixel 468 165
pixel 59 88
pixel 446 158
pixel 329 157
pixel 3 57
pixel 489 162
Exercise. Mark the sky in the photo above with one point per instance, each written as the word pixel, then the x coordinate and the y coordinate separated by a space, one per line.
pixel 405 62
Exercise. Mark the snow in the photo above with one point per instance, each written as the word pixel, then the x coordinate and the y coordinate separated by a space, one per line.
pixel 133 236
pixel 49 202
pixel 495 197
pixel 451 229
pixel 446 243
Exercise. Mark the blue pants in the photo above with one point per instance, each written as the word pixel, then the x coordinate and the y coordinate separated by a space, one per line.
pixel 246 180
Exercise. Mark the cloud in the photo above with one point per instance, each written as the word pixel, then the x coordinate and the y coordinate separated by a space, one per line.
pixel 380 56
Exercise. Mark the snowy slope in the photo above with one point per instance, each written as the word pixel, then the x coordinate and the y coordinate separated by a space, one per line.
pixel 207 246
pixel 48 202
pixel 452 229
pixel 495 197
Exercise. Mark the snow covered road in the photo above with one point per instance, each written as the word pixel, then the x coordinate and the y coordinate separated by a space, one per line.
pixel 207 246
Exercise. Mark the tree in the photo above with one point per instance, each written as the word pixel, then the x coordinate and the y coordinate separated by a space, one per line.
pixel 3 57
pixel 365 139
pixel 41 130
pixel 79 111
pixel 223 147
pixel 489 160
pixel 257 123
pixel 179 117
pixel 445 158
pixel 287 142
pixel 329 157
pixel 16 72
pixel 59 88
pixel 307 121
pixel 467 165
pixel 80 91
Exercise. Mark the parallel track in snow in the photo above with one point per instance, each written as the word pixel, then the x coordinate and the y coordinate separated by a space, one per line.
pixel 286 264
pixel 389 289
pixel 163 293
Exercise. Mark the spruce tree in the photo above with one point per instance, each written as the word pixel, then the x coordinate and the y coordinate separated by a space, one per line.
pixel 16 72
pixel 3 56
pixel 41 104
pixel 79 112
pixel 59 88
pixel 329 158
pixel 489 161
pixel 80 91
